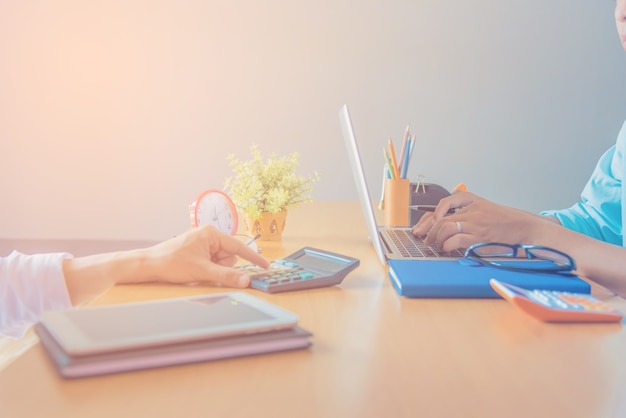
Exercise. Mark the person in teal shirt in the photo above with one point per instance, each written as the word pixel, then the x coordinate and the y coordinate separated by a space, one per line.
pixel 590 231
pixel 599 212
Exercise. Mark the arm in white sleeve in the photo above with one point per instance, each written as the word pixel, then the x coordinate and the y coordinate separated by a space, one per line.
pixel 30 285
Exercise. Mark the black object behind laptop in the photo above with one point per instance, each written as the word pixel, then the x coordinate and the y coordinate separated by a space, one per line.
pixel 424 198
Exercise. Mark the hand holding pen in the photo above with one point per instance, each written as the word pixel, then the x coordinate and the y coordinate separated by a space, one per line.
pixel 461 187
pixel 450 205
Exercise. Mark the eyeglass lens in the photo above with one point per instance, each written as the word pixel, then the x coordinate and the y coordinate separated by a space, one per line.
pixel 495 251
pixel 543 254
pixel 549 255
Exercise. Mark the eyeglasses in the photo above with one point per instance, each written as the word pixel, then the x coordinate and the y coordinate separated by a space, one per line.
pixel 495 254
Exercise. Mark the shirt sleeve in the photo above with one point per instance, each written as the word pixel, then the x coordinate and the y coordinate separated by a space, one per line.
pixel 30 285
pixel 599 211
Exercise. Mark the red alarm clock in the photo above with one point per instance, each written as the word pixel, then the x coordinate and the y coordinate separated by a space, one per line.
pixel 216 208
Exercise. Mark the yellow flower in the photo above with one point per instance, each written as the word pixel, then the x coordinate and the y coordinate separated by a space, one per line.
pixel 268 186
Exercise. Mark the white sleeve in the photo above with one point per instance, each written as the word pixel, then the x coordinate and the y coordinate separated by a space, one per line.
pixel 30 285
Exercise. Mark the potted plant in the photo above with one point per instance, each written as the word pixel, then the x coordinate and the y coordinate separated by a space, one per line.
pixel 264 189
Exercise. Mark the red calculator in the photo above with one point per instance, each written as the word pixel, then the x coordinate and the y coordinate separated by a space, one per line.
pixel 557 306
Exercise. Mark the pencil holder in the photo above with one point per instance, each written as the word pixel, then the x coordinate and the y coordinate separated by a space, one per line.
pixel 397 198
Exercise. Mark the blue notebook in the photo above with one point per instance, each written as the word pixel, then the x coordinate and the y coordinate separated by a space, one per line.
pixel 456 279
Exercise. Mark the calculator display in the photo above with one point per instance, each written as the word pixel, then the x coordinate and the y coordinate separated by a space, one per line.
pixel 315 261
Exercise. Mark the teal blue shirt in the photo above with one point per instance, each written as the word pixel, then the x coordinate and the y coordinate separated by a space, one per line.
pixel 599 212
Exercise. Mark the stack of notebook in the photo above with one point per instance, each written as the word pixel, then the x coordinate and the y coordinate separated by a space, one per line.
pixel 116 338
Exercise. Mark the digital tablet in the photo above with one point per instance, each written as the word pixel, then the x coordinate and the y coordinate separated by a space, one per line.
pixel 126 326
pixel 172 354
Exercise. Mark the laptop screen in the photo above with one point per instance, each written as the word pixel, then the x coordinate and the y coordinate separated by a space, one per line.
pixel 361 183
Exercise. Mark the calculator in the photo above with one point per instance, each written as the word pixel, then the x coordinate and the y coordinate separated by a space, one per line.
pixel 307 268
pixel 557 306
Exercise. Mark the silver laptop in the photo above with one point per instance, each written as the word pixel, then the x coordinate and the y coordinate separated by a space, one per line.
pixel 389 242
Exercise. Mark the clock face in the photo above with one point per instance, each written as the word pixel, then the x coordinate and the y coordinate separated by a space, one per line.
pixel 215 208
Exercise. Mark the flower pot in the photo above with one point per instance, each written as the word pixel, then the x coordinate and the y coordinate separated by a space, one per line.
pixel 270 225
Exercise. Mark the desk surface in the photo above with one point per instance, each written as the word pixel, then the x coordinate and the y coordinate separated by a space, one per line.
pixel 374 354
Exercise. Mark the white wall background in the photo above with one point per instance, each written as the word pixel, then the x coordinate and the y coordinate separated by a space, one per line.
pixel 115 114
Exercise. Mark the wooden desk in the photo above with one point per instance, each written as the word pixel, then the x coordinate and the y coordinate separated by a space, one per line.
pixel 374 354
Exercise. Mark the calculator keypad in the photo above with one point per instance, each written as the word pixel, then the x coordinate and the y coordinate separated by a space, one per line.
pixel 307 268
pixel 564 300
pixel 558 306
pixel 280 272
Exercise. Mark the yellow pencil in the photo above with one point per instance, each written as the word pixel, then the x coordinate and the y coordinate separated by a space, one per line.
pixel 392 174
pixel 394 162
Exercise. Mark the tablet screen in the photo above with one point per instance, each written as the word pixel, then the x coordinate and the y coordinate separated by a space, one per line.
pixel 174 318
pixel 164 321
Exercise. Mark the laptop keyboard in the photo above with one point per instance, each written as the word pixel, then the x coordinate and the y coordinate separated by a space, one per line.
pixel 411 246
